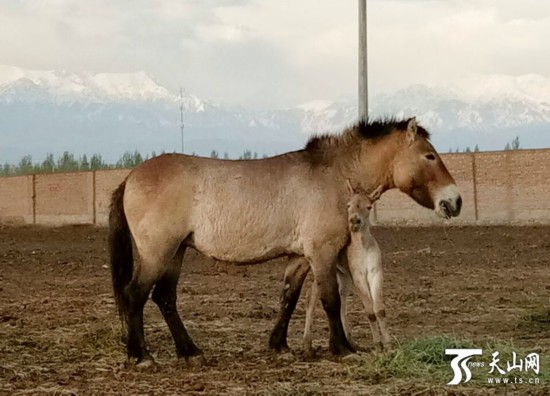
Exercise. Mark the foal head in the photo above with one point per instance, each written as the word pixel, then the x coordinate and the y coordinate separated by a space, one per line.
pixel 360 205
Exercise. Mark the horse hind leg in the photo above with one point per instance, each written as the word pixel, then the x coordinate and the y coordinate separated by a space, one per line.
pixel 165 297
pixel 136 294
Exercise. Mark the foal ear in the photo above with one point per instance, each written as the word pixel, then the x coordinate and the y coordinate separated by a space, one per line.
pixel 412 129
pixel 350 187
pixel 375 195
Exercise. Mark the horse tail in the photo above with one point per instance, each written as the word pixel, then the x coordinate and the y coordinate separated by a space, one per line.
pixel 120 249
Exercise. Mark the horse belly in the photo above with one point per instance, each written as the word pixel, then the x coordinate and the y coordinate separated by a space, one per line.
pixel 234 220
pixel 241 246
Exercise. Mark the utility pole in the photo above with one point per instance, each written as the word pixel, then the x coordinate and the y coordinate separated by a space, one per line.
pixel 363 71
pixel 181 117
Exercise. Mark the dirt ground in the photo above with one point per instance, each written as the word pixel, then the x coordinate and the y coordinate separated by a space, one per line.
pixel 59 333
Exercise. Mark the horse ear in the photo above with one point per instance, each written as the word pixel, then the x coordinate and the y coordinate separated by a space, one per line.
pixel 350 187
pixel 412 129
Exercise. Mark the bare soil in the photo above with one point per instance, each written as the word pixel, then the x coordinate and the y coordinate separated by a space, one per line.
pixel 59 333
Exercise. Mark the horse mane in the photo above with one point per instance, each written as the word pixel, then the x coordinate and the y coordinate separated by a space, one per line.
pixel 362 130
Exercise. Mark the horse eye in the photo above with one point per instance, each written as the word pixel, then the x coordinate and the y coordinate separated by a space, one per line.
pixel 430 157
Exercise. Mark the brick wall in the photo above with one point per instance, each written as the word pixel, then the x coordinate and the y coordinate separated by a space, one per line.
pixel 65 198
pixel 105 183
pixel 530 188
pixel 16 202
pixel 504 187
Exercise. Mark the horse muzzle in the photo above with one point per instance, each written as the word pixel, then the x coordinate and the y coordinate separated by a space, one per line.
pixel 450 207
pixel 450 203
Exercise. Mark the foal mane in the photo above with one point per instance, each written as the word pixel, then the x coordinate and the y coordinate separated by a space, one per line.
pixel 362 130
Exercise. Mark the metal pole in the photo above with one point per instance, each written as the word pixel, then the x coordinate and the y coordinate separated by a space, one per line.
pixel 181 115
pixel 363 72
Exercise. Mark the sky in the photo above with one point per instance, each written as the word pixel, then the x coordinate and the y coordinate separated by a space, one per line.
pixel 279 53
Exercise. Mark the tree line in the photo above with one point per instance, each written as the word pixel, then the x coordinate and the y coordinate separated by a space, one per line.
pixel 513 145
pixel 246 155
pixel 68 162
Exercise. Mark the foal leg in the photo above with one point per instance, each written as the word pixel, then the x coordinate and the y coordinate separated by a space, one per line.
pixel 359 273
pixel 366 298
pixel 344 289
pixel 376 279
pixel 295 274
pixel 313 297
pixel 165 295
pixel 323 265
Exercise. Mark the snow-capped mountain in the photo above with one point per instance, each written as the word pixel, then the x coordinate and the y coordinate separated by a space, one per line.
pixel 109 113
pixel 487 113
pixel 61 87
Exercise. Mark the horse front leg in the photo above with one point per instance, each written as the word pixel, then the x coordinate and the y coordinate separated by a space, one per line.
pixel 295 274
pixel 323 265
pixel 310 310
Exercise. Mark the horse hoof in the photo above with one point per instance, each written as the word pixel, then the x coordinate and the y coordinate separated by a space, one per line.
pixel 354 346
pixel 389 344
pixel 309 352
pixel 144 363
pixel 341 351
pixel 287 357
pixel 196 361
pixel 282 348
pixel 147 363
pixel 361 349
pixel 352 358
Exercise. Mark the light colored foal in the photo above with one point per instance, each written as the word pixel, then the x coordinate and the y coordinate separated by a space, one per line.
pixel 362 266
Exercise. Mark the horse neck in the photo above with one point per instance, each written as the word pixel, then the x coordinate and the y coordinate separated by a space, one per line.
pixel 374 164
pixel 368 163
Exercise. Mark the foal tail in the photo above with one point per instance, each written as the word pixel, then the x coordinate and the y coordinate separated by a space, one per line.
pixel 120 249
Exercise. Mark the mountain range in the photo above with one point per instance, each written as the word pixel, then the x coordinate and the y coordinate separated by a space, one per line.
pixel 110 113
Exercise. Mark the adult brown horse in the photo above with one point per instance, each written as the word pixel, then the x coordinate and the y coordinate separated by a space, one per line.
pixel 252 211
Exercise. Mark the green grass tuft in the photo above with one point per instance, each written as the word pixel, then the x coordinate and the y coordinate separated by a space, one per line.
pixel 424 360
